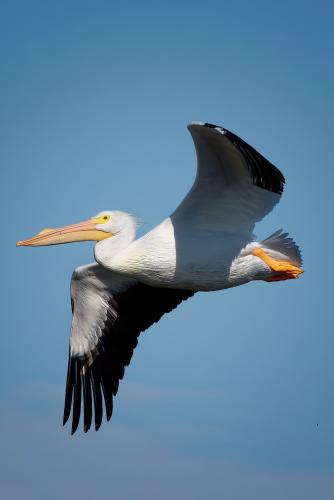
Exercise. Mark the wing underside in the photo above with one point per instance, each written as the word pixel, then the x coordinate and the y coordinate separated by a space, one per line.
pixel 108 317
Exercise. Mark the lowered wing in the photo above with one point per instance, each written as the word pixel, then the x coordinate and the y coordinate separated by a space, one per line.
pixel 109 313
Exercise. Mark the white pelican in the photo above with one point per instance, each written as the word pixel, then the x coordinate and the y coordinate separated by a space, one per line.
pixel 206 244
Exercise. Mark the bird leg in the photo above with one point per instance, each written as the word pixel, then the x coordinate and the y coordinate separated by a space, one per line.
pixel 283 269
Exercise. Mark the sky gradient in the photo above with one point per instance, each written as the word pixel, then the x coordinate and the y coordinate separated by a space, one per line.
pixel 231 395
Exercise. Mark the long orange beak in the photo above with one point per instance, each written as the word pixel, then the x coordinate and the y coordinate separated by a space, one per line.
pixel 83 231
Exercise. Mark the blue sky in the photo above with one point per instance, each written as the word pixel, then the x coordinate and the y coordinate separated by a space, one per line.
pixel 231 394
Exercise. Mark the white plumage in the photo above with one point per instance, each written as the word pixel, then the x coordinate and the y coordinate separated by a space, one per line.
pixel 206 244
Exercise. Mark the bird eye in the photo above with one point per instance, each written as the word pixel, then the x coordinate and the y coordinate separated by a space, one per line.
pixel 105 218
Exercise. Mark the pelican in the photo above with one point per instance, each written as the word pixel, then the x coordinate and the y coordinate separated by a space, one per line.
pixel 206 244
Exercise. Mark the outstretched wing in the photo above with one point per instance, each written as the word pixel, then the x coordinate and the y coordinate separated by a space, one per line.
pixel 235 186
pixel 109 313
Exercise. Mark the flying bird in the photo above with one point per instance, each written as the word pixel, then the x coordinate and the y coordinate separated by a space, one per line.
pixel 206 244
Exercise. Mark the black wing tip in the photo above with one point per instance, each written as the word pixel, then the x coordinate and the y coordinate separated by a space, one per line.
pixel 265 174
pixel 86 427
pixel 84 388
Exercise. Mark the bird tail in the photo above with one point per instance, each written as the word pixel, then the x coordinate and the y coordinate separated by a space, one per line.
pixel 280 246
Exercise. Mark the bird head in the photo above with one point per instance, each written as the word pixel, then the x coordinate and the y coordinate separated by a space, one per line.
pixel 103 225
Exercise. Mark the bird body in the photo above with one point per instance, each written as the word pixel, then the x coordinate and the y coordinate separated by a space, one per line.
pixel 161 259
pixel 206 244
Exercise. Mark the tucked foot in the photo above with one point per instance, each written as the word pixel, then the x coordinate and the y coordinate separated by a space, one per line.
pixel 283 269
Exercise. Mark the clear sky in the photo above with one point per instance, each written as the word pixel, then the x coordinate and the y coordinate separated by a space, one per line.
pixel 231 395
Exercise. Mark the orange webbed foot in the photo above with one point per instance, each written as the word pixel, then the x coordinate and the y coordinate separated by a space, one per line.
pixel 283 268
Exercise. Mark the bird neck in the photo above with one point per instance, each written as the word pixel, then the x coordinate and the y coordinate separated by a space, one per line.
pixel 105 250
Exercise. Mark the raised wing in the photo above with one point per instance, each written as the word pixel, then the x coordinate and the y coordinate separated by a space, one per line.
pixel 235 186
pixel 109 313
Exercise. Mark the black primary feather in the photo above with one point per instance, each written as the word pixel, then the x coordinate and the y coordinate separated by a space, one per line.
pixel 76 396
pixel 264 174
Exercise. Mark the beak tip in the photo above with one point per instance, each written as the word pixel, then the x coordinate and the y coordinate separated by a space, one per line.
pixel 19 243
